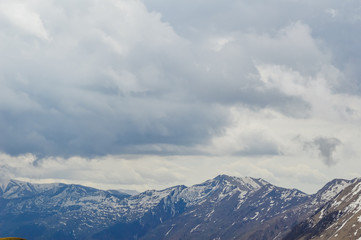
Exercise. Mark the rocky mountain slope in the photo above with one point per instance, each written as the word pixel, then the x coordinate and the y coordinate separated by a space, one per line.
pixel 339 218
pixel 232 208
pixel 221 208
pixel 40 211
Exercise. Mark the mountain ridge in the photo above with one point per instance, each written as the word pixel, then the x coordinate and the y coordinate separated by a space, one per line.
pixel 224 207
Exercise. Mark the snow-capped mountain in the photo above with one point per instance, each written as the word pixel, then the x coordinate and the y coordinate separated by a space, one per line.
pixel 221 208
pixel 339 218
pixel 233 208
pixel 331 189
pixel 38 209
pixel 219 188
pixel 18 189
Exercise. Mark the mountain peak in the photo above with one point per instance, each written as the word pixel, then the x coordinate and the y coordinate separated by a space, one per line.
pixel 3 184
pixel 224 177
pixel 332 189
pixel 245 183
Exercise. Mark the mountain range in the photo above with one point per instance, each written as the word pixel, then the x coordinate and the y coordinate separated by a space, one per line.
pixel 225 207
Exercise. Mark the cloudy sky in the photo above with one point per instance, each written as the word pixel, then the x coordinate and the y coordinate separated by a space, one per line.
pixel 140 94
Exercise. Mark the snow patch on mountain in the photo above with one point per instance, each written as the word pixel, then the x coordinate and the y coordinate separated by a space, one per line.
pixel 332 189
pixel 247 200
pixel 223 185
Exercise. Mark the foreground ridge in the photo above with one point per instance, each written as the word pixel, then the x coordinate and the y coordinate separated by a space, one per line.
pixel 339 218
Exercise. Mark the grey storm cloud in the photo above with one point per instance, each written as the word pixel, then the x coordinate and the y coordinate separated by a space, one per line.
pixel 327 148
pixel 335 25
pixel 108 77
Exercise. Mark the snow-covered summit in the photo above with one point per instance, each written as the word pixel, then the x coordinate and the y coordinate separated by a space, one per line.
pixel 331 190
pixel 220 187
pixel 247 183
pixel 18 189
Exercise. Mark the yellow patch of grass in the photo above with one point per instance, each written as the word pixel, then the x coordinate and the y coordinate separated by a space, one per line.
pixel 12 238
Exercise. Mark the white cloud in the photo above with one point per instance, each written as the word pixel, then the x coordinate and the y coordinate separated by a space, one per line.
pixel 316 90
pixel 150 172
pixel 218 43
pixel 332 12
pixel 20 15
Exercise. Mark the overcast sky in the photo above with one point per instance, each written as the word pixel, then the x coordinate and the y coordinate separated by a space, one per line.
pixel 149 94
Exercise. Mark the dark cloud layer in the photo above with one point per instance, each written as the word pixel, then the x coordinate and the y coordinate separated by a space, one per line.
pixel 112 77
pixel 335 25
pixel 327 148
